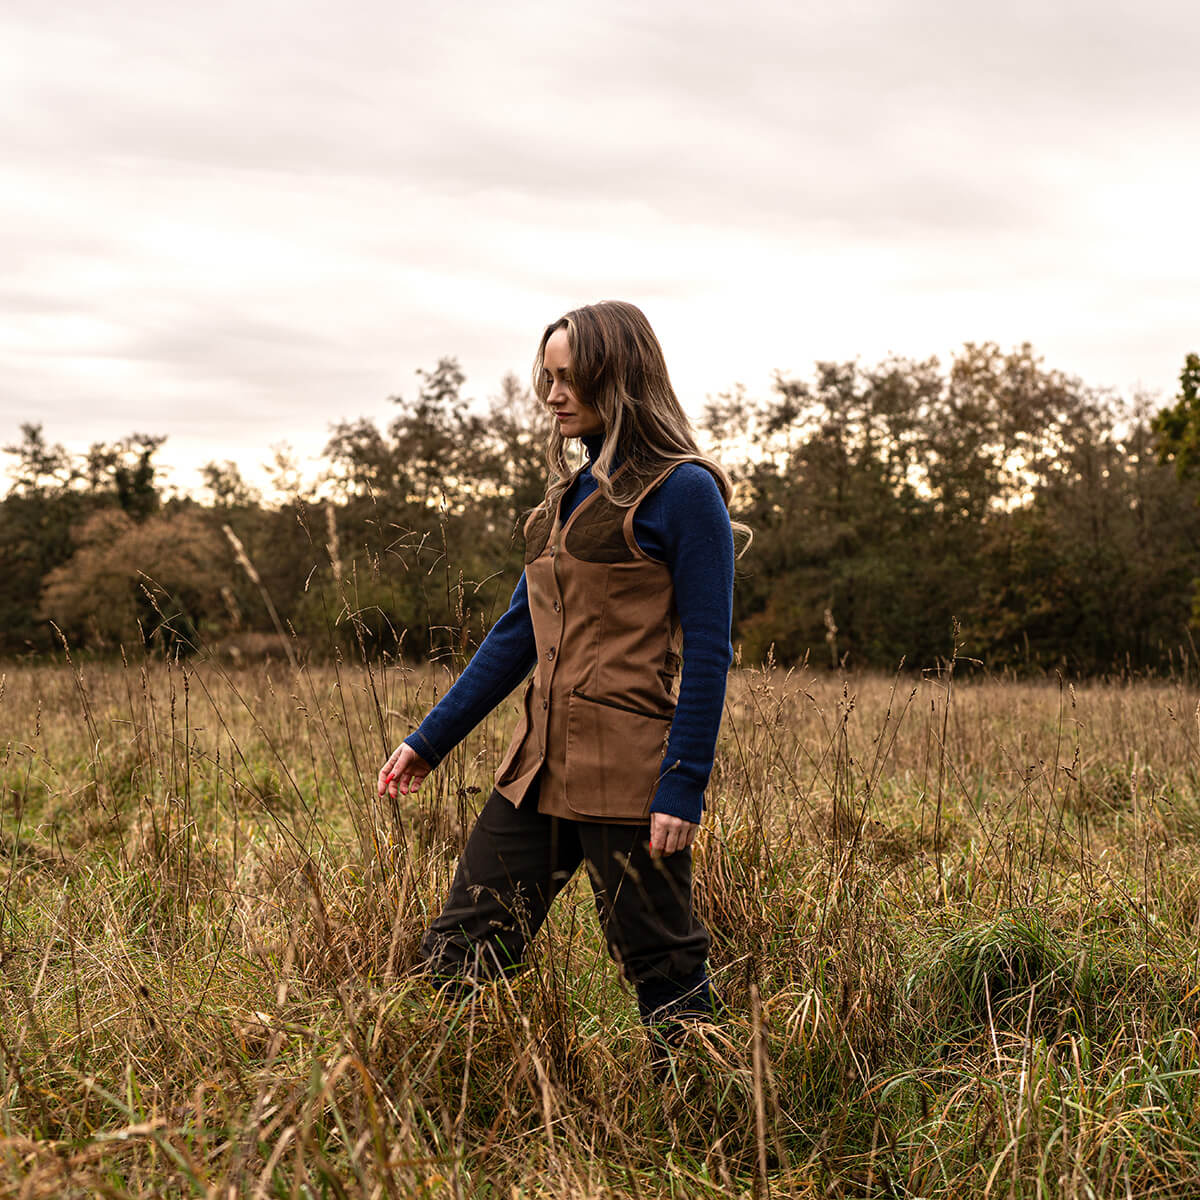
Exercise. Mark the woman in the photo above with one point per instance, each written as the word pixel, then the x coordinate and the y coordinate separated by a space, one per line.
pixel 628 577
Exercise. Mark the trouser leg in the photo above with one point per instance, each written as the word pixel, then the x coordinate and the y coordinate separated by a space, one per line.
pixel 645 909
pixel 515 862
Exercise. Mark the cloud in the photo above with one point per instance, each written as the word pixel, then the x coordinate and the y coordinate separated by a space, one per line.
pixel 215 218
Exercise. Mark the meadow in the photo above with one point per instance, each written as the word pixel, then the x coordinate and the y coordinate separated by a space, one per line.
pixel 955 928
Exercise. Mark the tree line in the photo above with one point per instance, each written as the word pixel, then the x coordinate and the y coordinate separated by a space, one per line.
pixel 901 511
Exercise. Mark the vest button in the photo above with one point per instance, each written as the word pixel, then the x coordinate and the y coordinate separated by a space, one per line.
pixel 550 652
pixel 545 703
pixel 556 606
pixel 552 550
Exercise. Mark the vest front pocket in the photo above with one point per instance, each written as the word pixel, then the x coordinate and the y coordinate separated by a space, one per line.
pixel 614 757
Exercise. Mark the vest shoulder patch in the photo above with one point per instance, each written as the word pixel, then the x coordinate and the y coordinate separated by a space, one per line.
pixel 596 534
pixel 537 532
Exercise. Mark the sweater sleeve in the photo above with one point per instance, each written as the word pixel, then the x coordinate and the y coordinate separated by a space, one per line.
pixel 686 524
pixel 503 659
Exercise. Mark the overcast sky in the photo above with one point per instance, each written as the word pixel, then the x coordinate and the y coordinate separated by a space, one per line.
pixel 234 223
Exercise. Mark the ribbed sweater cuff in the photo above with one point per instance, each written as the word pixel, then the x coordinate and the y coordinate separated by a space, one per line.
pixel 678 796
pixel 424 747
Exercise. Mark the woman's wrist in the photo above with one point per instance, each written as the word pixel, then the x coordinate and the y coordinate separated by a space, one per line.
pixel 678 797
pixel 424 747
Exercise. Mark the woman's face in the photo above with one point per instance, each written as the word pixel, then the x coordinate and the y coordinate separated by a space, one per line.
pixel 575 418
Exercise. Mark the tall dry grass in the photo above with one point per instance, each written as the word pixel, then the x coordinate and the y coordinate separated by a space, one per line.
pixel 954 925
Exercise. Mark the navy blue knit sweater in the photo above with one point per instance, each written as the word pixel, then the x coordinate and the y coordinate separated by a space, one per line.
pixel 683 523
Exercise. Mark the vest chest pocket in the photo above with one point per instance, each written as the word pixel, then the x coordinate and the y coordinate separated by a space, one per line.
pixel 614 757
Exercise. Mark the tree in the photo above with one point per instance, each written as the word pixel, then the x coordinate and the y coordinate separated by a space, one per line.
pixel 364 463
pixel 155 581
pixel 226 485
pixel 831 495
pixel 1056 523
pixel 126 471
pixel 437 438
pixel 996 490
pixel 36 519
pixel 40 468
pixel 1178 428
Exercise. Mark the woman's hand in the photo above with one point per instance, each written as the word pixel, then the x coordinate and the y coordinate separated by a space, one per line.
pixel 668 834
pixel 402 772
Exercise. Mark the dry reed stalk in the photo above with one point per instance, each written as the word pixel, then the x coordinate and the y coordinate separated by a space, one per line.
pixel 243 559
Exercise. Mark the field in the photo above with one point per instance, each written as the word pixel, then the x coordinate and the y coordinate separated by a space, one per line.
pixel 955 925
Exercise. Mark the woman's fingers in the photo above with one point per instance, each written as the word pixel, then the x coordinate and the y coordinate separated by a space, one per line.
pixel 385 772
pixel 669 834
pixel 408 779
pixel 403 772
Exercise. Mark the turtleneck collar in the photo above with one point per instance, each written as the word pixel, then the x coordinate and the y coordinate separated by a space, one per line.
pixel 592 443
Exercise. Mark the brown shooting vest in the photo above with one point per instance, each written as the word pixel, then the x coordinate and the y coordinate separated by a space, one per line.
pixel 598 707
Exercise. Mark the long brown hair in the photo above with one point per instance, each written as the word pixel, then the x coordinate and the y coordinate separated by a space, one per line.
pixel 618 368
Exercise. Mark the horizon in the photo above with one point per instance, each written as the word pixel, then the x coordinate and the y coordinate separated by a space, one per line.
pixel 185 480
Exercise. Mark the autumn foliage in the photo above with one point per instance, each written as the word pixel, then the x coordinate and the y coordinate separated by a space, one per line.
pixel 888 502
